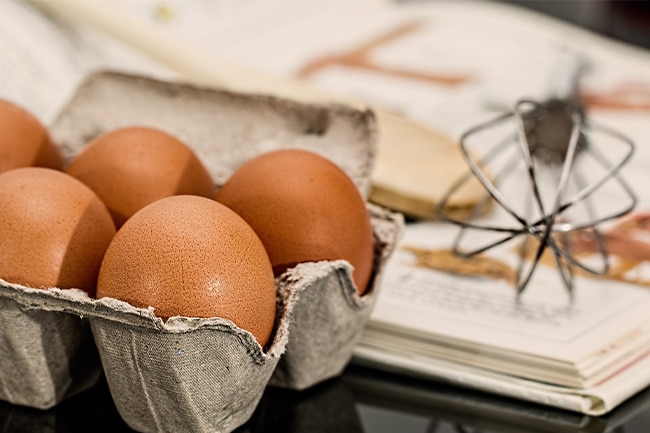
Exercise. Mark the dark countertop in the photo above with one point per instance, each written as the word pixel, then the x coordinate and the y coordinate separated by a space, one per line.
pixel 360 401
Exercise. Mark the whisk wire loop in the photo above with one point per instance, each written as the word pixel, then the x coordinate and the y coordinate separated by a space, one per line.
pixel 553 134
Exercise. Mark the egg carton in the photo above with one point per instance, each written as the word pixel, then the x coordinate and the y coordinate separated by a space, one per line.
pixel 190 374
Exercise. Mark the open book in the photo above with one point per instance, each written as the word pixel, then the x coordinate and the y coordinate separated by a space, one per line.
pixel 587 355
pixel 449 65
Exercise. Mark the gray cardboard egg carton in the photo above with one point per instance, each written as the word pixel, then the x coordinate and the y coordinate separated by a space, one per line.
pixel 189 374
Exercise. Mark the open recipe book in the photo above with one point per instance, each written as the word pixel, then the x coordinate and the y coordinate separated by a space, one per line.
pixel 433 62
pixel 588 355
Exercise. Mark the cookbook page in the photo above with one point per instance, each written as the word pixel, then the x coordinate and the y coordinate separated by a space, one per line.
pixel 417 296
pixel 446 64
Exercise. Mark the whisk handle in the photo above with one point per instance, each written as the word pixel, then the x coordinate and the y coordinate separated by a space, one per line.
pixel 565 75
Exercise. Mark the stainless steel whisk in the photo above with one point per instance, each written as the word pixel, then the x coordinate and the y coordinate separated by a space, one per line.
pixel 564 161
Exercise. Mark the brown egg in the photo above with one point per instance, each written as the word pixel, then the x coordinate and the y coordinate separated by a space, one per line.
pixel 304 208
pixel 54 230
pixel 191 256
pixel 131 167
pixel 24 141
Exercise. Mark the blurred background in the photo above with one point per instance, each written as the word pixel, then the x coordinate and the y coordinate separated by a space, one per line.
pixel 625 20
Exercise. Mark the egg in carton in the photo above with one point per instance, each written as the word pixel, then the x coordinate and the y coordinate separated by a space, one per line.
pixel 200 375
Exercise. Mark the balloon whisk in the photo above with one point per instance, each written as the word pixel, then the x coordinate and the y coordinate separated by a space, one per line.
pixel 550 176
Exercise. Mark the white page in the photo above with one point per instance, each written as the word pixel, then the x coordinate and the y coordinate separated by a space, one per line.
pixel 447 38
pixel 544 322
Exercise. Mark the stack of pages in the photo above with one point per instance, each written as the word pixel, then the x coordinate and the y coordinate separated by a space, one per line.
pixel 586 355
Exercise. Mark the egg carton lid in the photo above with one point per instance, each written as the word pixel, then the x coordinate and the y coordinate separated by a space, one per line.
pixel 214 122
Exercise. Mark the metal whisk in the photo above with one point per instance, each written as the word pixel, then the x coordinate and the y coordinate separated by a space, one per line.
pixel 550 175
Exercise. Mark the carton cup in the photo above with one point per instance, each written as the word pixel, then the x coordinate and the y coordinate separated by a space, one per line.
pixel 47 355
pixel 329 315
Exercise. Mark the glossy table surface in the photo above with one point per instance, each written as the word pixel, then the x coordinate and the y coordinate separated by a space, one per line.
pixel 360 401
